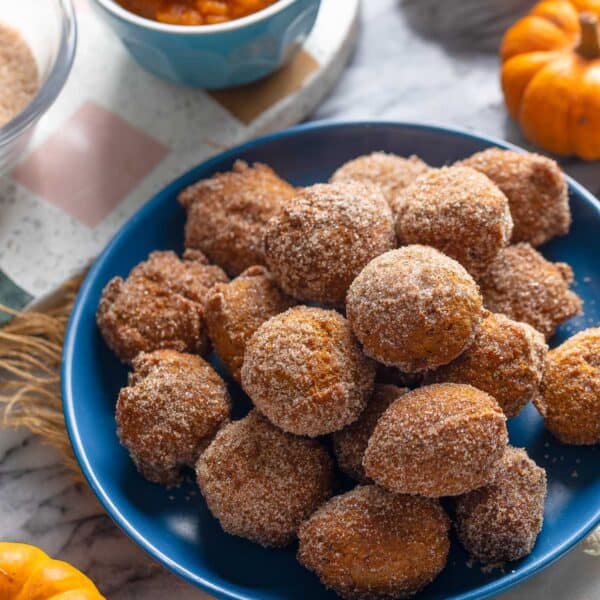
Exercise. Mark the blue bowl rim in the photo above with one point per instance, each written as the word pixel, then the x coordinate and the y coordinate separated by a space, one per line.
pixel 55 81
pixel 486 591
pixel 264 14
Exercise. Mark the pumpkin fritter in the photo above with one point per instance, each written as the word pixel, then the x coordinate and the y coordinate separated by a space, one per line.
pixel 506 360
pixel 439 440
pixel 371 544
pixel 501 521
pixel 323 238
pixel 305 371
pixel 261 483
pixel 170 411
pixel 457 210
pixel 227 214
pixel 159 306
pixel 526 287
pixel 569 398
pixel 390 172
pixel 536 189
pixel 235 310
pixel 414 308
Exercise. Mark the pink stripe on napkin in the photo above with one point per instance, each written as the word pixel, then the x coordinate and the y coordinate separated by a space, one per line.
pixel 90 164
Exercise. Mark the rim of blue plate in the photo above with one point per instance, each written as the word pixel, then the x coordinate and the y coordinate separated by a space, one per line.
pixel 486 591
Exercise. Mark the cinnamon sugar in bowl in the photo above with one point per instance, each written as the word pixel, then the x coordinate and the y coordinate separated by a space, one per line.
pixel 37 48
pixel 18 74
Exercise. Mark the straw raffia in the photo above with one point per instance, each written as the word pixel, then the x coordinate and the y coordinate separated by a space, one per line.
pixel 30 353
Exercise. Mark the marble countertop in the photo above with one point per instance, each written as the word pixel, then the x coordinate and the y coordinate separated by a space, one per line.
pixel 408 66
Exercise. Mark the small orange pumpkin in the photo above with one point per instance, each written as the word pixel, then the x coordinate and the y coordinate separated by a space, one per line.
pixel 27 573
pixel 551 76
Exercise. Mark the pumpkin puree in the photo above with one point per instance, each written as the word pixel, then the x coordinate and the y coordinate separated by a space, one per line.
pixel 194 12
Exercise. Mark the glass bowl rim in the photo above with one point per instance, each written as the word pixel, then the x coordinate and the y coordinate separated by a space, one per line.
pixel 49 90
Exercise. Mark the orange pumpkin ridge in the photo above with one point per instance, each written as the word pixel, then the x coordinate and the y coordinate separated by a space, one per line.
pixel 27 573
pixel 551 76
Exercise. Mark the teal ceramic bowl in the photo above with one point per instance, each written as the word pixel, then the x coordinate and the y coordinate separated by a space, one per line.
pixel 214 56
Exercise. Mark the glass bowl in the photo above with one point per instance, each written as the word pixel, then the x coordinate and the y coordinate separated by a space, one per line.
pixel 50 29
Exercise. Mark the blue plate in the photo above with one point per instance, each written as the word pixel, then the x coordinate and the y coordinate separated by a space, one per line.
pixel 175 527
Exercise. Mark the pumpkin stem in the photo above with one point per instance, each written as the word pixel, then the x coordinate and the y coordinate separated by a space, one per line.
pixel 589 44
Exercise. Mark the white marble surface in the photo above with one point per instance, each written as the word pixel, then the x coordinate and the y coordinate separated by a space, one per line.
pixel 398 72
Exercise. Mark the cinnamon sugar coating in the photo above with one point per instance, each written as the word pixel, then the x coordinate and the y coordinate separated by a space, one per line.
pixel 457 210
pixel 305 371
pixel 350 443
pixel 235 310
pixel 526 287
pixel 414 308
pixel 569 398
pixel 227 214
pixel 323 238
pixel 506 360
pixel 390 172
pixel 261 483
pixel 501 521
pixel 536 190
pixel 439 440
pixel 159 306
pixel 371 544
pixel 170 411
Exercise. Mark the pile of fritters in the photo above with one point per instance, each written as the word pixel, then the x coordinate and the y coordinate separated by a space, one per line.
pixel 344 296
